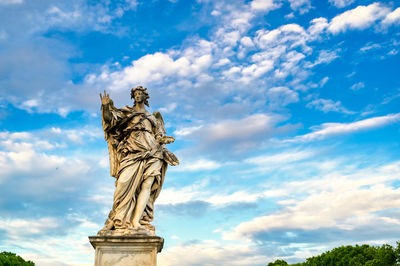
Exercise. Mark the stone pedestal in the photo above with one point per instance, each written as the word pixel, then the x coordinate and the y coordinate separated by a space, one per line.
pixel 126 250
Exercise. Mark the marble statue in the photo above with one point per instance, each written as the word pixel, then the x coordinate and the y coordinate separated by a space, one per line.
pixel 138 160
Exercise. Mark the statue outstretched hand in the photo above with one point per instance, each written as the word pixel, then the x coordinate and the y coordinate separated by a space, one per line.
pixel 105 99
pixel 166 140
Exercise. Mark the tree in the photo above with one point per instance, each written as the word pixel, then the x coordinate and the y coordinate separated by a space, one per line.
pixel 11 259
pixel 385 255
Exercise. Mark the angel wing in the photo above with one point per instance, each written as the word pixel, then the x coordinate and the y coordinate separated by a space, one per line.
pixel 160 121
pixel 169 157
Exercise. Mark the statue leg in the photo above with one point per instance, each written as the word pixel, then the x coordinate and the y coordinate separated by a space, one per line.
pixel 142 200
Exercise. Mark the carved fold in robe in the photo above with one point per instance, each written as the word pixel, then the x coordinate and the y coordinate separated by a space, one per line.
pixel 135 155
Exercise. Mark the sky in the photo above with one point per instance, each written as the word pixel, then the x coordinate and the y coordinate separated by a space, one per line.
pixel 285 113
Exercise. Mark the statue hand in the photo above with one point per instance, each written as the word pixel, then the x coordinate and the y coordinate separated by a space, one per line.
pixel 105 100
pixel 166 140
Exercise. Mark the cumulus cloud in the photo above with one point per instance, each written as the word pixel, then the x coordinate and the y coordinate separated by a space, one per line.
pixel 338 201
pixel 303 6
pixel 333 129
pixel 24 234
pixel 264 5
pixel 211 253
pixel 358 18
pixel 392 18
pixel 317 27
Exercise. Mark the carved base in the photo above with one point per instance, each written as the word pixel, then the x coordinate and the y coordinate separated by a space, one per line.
pixel 127 232
pixel 126 250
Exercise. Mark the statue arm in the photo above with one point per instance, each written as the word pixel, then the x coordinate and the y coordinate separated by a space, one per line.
pixel 109 117
pixel 106 106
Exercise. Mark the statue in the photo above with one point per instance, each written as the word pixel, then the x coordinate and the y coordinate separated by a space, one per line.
pixel 138 160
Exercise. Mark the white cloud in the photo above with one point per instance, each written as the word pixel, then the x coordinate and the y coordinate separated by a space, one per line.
pixel 370 46
pixel 11 2
pixel 336 201
pixel 79 136
pixel 359 18
pixel 281 158
pixel 264 5
pixel 328 105
pixel 158 68
pixel 211 252
pixel 169 108
pixel 198 165
pixel 20 228
pixel 282 96
pixel 318 26
pixel 303 6
pixel 392 18
pixel 341 3
pixel 203 191
pixel 226 130
pixel 323 81
pixel 325 57
pixel 38 240
pixel 333 129
pixel 357 86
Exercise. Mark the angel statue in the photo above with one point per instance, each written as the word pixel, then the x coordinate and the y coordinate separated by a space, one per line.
pixel 138 160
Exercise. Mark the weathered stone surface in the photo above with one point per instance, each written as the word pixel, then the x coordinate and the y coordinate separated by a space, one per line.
pixel 138 160
pixel 126 250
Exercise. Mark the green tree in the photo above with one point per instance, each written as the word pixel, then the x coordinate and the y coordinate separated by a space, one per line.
pixel 11 259
pixel 363 255
pixel 278 263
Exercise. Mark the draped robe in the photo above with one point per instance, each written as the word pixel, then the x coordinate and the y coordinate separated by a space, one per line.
pixel 135 155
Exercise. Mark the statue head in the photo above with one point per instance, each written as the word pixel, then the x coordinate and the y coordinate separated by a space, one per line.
pixel 144 93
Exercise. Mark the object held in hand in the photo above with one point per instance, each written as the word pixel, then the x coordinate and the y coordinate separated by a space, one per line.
pixel 166 140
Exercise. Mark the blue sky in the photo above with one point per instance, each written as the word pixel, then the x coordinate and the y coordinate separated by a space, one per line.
pixel 285 115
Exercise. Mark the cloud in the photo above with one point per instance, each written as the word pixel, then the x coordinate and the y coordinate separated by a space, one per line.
pixel 282 96
pixel 235 135
pixel 199 165
pixel 325 57
pixel 334 129
pixel 11 2
pixel 303 6
pixel 392 18
pixel 211 252
pixel 341 3
pixel 328 105
pixel 82 16
pixel 264 5
pixel 78 136
pixel 337 201
pixel 317 27
pixel 204 193
pixel 358 18
pixel 281 158
pixel 38 240
pixel 357 86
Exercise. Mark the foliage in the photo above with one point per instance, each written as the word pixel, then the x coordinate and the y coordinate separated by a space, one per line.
pixel 363 255
pixel 11 259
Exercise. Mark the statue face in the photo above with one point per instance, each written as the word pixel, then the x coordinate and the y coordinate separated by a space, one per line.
pixel 139 96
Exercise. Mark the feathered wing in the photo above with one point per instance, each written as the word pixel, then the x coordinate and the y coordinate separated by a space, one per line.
pixel 169 157
pixel 160 121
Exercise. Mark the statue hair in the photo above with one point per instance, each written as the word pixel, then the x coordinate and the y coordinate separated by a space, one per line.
pixel 142 89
